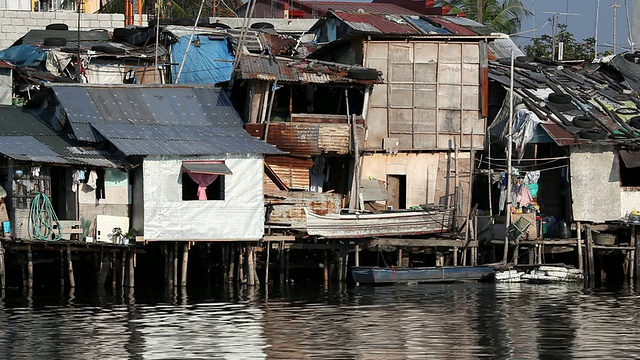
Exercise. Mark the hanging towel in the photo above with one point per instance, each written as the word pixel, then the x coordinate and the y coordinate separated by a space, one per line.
pixel 93 179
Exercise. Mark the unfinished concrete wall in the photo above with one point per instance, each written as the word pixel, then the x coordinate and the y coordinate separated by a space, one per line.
pixel 595 184
pixel 14 24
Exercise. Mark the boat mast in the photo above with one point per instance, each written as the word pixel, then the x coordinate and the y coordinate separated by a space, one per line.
pixel 507 220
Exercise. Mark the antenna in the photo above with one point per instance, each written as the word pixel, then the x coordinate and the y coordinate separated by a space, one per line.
pixel 615 7
pixel 554 21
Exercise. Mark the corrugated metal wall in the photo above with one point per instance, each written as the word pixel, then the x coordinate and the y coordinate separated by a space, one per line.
pixel 431 94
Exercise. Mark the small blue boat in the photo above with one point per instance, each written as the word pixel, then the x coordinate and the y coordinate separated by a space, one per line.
pixel 390 275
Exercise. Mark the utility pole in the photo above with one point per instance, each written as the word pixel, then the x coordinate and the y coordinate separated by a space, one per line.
pixel 480 11
pixel 615 7
pixel 554 29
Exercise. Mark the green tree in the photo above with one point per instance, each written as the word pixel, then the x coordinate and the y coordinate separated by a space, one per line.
pixel 572 50
pixel 505 16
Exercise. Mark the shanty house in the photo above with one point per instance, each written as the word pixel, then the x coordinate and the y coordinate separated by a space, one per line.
pixel 198 174
pixel 39 160
pixel 428 116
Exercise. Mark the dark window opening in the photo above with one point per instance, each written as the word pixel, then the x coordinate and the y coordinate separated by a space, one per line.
pixel 397 188
pixel 215 191
pixel 629 176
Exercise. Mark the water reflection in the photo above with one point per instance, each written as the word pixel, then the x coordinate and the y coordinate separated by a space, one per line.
pixel 452 321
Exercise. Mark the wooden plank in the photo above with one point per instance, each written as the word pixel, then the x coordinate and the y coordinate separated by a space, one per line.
pixel 421 242
pixel 279 238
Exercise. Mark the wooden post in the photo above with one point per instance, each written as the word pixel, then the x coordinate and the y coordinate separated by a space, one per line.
pixel 340 267
pixel 185 263
pixel 286 267
pixel 114 269
pixel 72 280
pixel 256 278
pixel 326 269
pixel 61 269
pixel 232 262
pixel 532 255
pixel 455 256
pixel 103 271
pixel 170 262
pixel 175 263
pixel 123 269
pixel 3 277
pixel 131 269
pixel 516 253
pixel 282 262
pixel 241 264
pixel 636 242
pixel 579 246
pixel 399 261
pixel 590 260
pixel 266 265
pixel 30 266
pixel 356 258
pixel 251 266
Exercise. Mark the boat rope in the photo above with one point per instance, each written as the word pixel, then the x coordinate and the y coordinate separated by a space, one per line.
pixel 42 217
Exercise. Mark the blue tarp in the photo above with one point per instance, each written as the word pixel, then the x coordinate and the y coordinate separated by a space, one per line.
pixel 25 55
pixel 209 63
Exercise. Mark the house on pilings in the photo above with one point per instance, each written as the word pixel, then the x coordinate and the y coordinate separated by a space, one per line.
pixel 575 161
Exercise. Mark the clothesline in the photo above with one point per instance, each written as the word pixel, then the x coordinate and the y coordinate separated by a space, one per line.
pixel 520 167
pixel 550 158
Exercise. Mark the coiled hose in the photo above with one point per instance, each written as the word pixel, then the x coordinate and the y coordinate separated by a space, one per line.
pixel 42 217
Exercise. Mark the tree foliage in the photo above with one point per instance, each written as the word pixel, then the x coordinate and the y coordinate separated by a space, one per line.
pixel 505 16
pixel 543 46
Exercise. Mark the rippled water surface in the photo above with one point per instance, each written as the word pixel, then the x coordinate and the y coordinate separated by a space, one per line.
pixel 453 321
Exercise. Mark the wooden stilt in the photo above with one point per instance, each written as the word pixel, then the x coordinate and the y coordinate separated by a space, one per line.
pixel 474 256
pixel 356 259
pixel 30 266
pixel 532 255
pixel 399 260
pixel 185 263
pixel 516 253
pixel 3 277
pixel 346 266
pixel 282 262
pixel 256 278
pixel 636 258
pixel 131 270
pixel 579 246
pixel 123 268
pixel 455 256
pixel 326 269
pixel 61 269
pixel 241 264
pixel 590 260
pixel 114 269
pixel 170 262
pixel 340 267
pixel 72 280
pixel 175 264
pixel 103 271
pixel 250 266
pixel 232 262
pixel 25 281
pixel 165 254
pixel 225 261
pixel 287 257
pixel 266 264
pixel 632 263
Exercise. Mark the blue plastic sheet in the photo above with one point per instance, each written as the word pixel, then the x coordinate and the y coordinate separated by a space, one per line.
pixel 208 63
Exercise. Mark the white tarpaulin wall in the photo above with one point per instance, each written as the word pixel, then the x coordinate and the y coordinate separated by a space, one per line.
pixel 240 216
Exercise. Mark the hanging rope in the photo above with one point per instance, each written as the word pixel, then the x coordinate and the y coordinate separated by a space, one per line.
pixel 42 217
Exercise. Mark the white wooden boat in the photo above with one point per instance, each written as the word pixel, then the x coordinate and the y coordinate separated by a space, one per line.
pixel 386 223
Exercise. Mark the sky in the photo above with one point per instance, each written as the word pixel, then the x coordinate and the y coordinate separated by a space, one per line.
pixel 582 24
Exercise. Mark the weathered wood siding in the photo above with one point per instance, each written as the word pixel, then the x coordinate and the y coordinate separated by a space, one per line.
pixel 426 174
pixel 431 94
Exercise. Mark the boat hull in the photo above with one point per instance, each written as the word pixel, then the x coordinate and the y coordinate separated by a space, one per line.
pixel 394 223
pixel 390 275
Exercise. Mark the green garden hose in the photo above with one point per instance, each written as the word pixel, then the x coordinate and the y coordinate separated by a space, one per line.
pixel 42 218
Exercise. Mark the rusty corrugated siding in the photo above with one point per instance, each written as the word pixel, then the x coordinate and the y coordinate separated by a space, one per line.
pixel 307 139
pixel 294 172
pixel 291 212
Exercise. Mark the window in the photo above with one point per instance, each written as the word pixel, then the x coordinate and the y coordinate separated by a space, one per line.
pixel 204 180
pixel 629 168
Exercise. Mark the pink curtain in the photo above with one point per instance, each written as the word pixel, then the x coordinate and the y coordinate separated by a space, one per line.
pixel 203 180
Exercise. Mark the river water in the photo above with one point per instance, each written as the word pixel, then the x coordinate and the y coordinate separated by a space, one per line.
pixel 437 321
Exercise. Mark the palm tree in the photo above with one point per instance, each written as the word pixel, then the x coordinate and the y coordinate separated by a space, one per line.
pixel 501 15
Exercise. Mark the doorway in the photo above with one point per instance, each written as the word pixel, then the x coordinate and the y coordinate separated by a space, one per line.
pixel 397 188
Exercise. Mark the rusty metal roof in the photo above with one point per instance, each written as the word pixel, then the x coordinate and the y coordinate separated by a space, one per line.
pixel 600 94
pixel 369 8
pixel 292 70
pixel 402 22
pixel 159 119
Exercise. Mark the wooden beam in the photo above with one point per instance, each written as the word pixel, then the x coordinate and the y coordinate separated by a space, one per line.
pixel 420 242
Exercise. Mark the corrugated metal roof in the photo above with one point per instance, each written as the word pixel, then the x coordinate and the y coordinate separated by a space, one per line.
pixel 160 120
pixel 370 8
pixel 26 138
pixel 371 23
pixel 296 70
pixel 501 48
